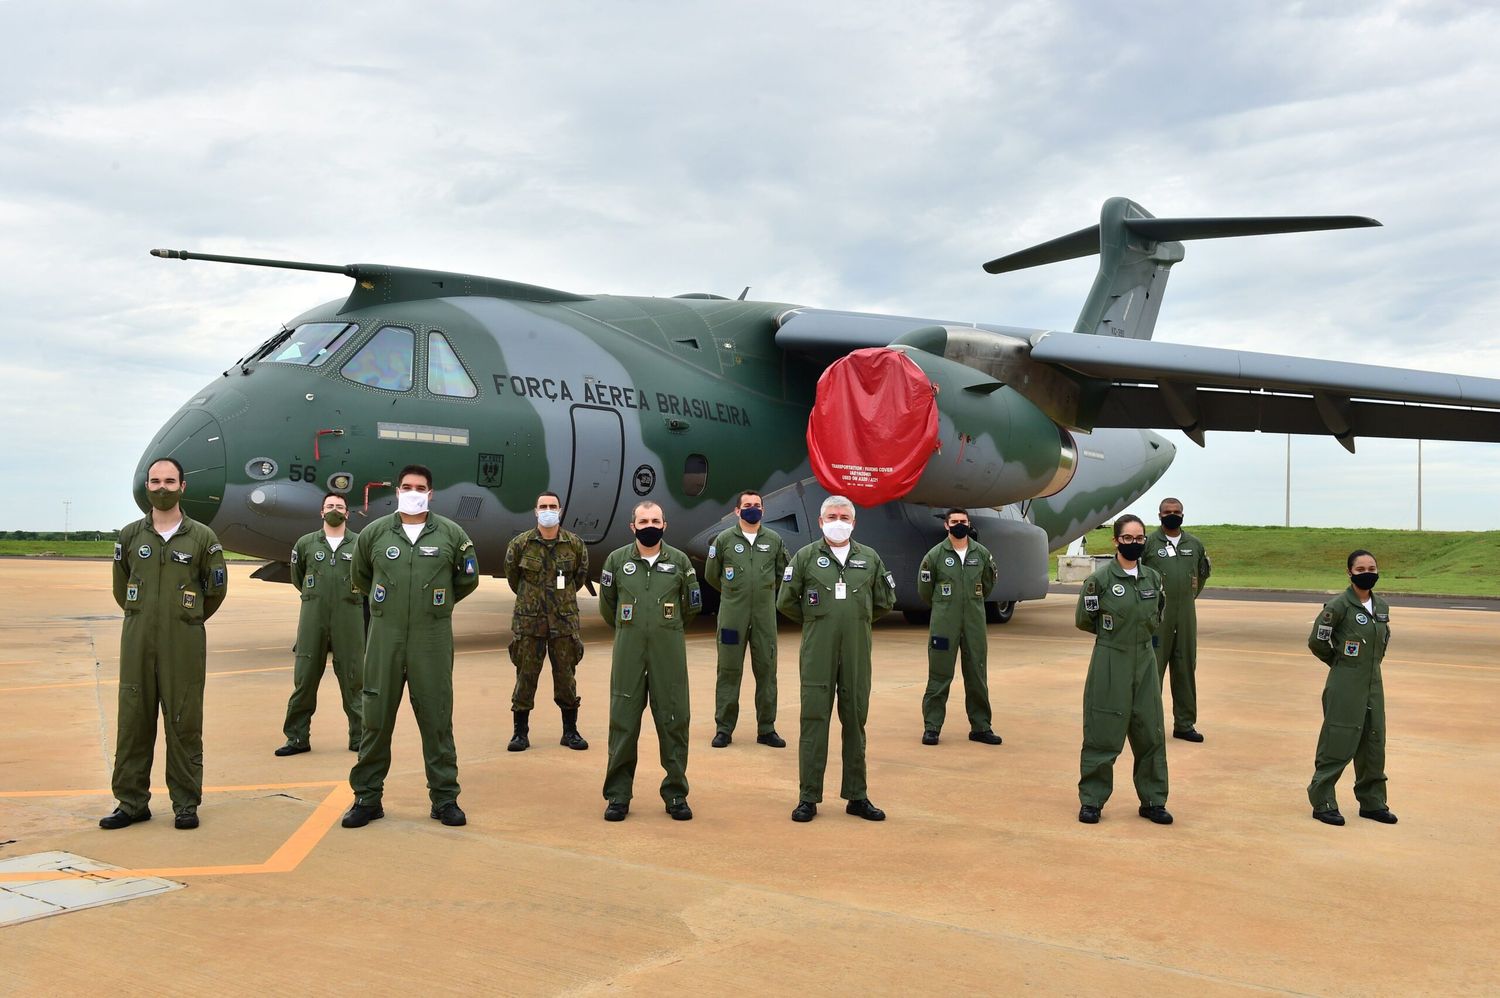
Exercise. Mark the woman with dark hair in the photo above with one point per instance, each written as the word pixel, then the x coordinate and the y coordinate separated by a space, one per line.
pixel 1350 637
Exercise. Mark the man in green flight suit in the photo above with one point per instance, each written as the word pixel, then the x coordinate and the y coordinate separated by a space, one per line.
pixel 1350 636
pixel 835 589
pixel 745 564
pixel 546 566
pixel 648 591
pixel 414 565
pixel 1182 562
pixel 1121 604
pixel 332 619
pixel 954 578
pixel 169 578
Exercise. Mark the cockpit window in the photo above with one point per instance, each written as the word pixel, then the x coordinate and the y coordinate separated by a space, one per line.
pixel 311 343
pixel 445 372
pixel 384 362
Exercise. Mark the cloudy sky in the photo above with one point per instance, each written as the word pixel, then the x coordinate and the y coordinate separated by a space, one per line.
pixel 847 155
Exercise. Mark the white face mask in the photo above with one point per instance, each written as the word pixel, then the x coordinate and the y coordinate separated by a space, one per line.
pixel 548 517
pixel 411 503
pixel 838 531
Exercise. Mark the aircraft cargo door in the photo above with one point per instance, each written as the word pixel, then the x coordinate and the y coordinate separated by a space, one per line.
pixel 598 462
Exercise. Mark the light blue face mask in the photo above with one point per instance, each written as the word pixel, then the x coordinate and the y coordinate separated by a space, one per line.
pixel 548 517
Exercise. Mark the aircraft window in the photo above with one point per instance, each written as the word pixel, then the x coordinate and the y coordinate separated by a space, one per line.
pixel 384 362
pixel 445 372
pixel 695 474
pixel 312 343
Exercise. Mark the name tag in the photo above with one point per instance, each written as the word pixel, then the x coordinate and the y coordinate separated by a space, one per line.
pixel 665 566
pixel 1384 618
pixel 182 558
pixel 1148 594
pixel 429 552
pixel 858 563
pixel 561 582
pixel 763 547
pixel 840 590
pixel 347 556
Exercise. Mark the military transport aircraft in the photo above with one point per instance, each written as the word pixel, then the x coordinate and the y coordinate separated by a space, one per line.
pixel 506 389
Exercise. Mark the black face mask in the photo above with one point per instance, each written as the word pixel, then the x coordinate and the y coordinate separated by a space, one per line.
pixel 1133 552
pixel 959 530
pixel 1365 580
pixel 649 536
pixel 752 515
pixel 1172 521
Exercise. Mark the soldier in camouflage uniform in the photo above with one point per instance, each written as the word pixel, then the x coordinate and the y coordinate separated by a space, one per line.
pixel 745 564
pixel 332 618
pixel 546 566
pixel 1121 605
pixel 169 578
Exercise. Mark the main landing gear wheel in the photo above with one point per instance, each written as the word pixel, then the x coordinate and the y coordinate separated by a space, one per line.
pixel 999 613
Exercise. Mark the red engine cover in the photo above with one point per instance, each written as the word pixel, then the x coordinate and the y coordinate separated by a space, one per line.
pixel 874 426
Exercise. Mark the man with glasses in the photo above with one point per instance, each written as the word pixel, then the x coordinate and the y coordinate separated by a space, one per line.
pixel 332 619
pixel 745 564
pixel 1121 605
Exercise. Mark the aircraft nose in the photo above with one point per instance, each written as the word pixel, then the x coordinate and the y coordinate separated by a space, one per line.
pixel 194 439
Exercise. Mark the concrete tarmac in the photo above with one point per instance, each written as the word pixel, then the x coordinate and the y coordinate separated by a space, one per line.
pixel 981 881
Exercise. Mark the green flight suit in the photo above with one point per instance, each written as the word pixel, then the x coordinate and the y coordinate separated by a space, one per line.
pixel 1184 575
pixel 167 589
pixel 1122 694
pixel 746 574
pixel 546 576
pixel 1351 641
pixel 648 606
pixel 412 589
pixel 332 619
pixel 835 655
pixel 955 589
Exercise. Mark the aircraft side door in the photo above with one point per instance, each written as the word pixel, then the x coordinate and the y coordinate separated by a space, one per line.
pixel 598 462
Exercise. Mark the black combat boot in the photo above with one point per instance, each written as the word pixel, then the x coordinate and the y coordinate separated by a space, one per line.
pixel 519 742
pixel 570 736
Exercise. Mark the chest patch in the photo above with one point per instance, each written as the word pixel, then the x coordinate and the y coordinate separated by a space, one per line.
pixel 823 561
pixel 132 593
pixel 439 597
pixel 379 594
pixel 319 556
pixel 1360 618
pixel 429 551
pixel 665 566
pixel 1107 622
pixel 739 549
pixel 628 568
pixel 1117 589
pixel 812 597
pixel 857 563
pixel 763 547
pixel 144 550
pixel 946 589
pixel 393 552
pixel 729 574
pixel 181 558
pixel 949 561
pixel 1351 649
pixel 189 600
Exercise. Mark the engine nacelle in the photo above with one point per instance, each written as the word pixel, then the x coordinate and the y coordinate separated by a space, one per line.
pixel 902 423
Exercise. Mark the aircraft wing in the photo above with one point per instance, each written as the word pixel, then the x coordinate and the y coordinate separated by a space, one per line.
pixel 1195 389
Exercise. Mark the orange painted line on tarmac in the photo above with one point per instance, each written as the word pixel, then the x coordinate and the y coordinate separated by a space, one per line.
pixel 1084 640
pixel 116 682
pixel 284 860
pixel 161 790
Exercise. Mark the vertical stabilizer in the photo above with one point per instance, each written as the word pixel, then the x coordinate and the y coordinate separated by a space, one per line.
pixel 1132 277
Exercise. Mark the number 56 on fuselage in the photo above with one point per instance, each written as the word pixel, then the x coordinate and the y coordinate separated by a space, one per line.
pixel 506 390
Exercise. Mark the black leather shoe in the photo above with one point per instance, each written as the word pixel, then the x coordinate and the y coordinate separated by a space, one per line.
pixel 1384 816
pixel 292 748
pixel 1155 813
pixel 450 814
pixel 721 739
pixel 187 819
pixel 361 815
pixel 1329 816
pixel 680 811
pixel 772 739
pixel 1088 814
pixel 988 737
pixel 864 809
pixel 929 737
pixel 617 810
pixel 1190 735
pixel 119 819
pixel 805 810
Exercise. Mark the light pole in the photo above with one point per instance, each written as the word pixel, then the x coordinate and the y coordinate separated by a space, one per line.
pixel 67 509
pixel 1288 480
pixel 1419 483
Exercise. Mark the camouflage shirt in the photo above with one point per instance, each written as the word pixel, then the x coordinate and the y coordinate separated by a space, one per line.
pixel 546 576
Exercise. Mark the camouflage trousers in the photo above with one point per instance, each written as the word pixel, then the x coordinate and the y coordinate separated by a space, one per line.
pixel 529 652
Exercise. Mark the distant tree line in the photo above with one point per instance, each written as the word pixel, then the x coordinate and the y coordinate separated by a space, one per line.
pixel 57 535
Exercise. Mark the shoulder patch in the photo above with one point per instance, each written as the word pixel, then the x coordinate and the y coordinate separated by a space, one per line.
pixel 786 576
pixel 215 548
pixel 119 552
pixel 713 550
pixel 924 576
pixel 1091 587
pixel 606 578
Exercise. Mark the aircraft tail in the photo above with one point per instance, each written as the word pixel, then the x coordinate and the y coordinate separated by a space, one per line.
pixel 1136 252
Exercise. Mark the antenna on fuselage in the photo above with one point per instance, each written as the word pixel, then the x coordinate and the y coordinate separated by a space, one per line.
pixel 348 269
